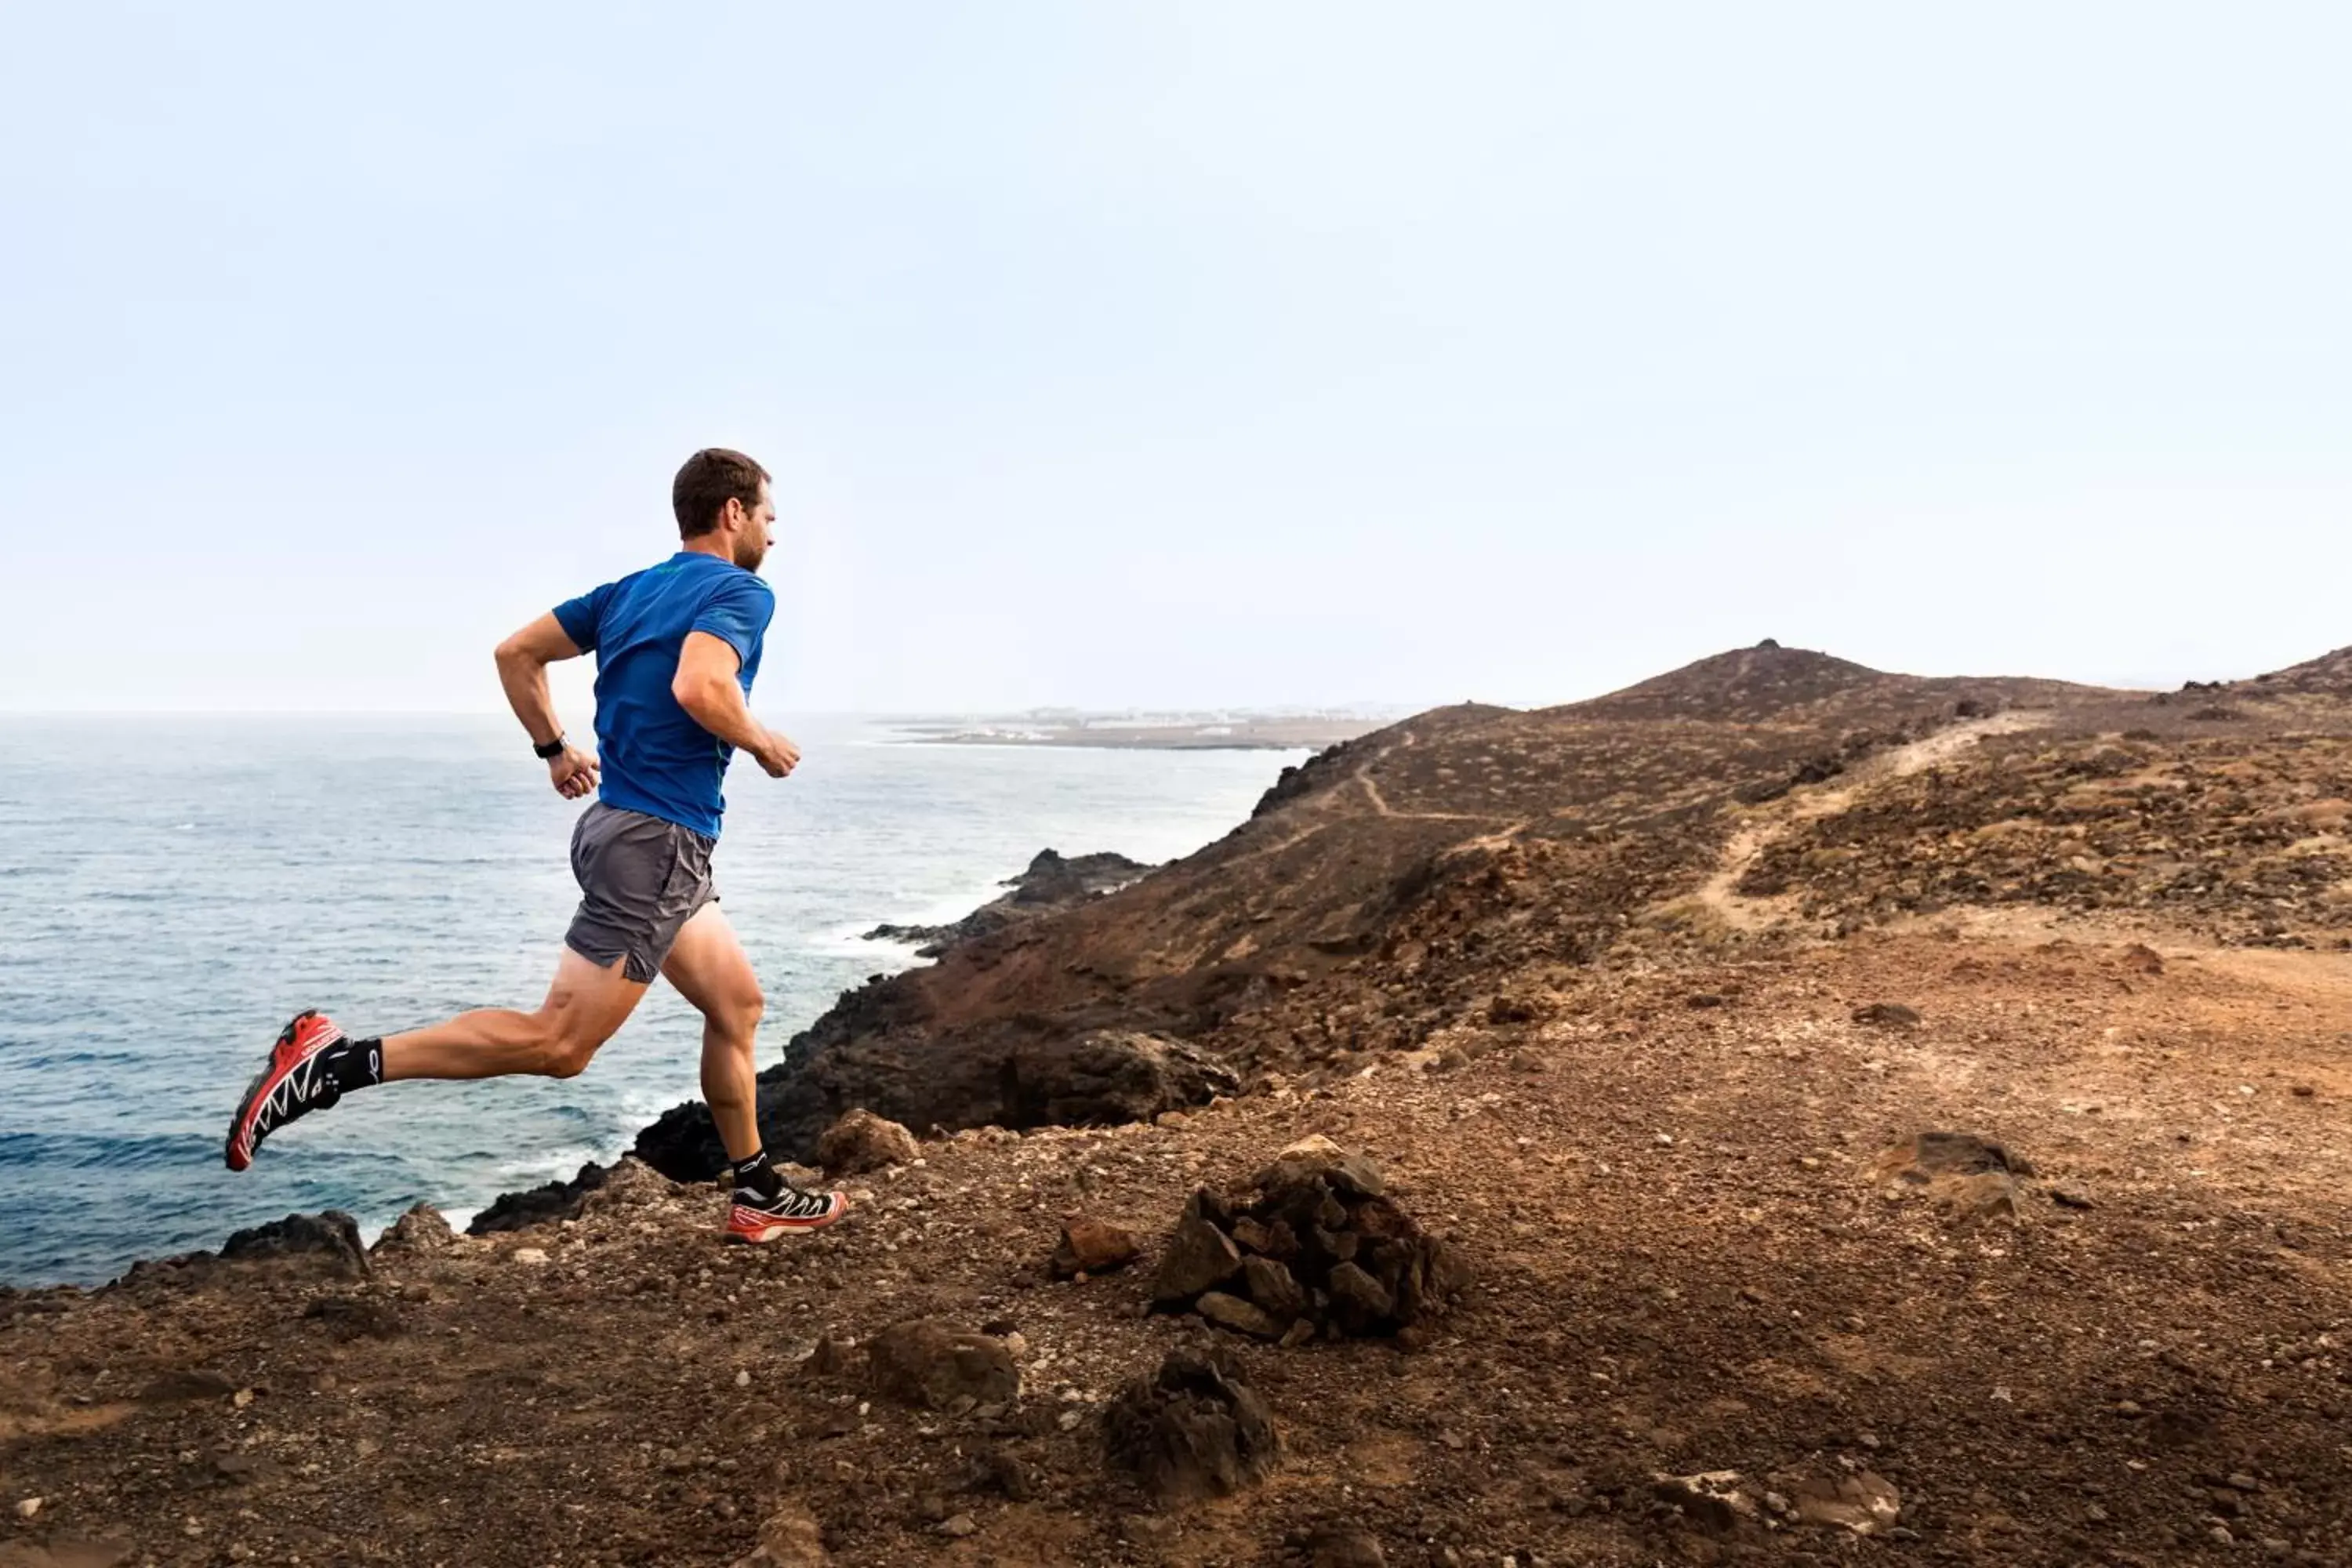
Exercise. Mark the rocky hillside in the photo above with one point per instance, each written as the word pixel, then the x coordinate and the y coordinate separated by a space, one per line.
pixel 1850 1118
pixel 1455 836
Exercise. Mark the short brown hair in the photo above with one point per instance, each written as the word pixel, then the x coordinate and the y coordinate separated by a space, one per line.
pixel 711 478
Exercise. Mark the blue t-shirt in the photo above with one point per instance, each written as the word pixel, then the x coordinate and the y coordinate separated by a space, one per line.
pixel 656 759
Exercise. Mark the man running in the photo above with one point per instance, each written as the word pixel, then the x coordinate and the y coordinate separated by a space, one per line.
pixel 676 647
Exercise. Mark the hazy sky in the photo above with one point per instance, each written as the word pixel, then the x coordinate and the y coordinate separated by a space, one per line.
pixel 1115 354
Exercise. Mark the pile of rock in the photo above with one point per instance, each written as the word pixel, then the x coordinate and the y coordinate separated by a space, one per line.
pixel 1315 1246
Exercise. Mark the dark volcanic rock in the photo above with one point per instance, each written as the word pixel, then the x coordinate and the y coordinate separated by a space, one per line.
pixel 1192 1430
pixel 1010 1078
pixel 1888 1015
pixel 1305 778
pixel 1052 882
pixel 1107 1077
pixel 331 1238
pixel 1359 1301
pixel 327 1242
pixel 1273 1287
pixel 926 1363
pixel 1199 1257
pixel 554 1200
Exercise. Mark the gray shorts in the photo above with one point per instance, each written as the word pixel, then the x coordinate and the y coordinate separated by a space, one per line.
pixel 641 879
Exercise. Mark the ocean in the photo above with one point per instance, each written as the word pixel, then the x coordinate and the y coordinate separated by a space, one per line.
pixel 173 890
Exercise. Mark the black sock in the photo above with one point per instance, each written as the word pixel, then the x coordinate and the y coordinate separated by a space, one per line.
pixel 353 1064
pixel 756 1175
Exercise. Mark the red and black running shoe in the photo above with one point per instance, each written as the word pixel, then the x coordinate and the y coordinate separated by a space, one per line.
pixel 290 1084
pixel 753 1219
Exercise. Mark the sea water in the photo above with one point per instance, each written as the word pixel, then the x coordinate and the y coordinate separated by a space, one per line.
pixel 173 890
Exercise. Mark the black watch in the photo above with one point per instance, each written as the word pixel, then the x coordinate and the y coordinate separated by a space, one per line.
pixel 551 751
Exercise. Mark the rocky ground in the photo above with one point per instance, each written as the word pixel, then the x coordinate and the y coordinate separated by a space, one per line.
pixel 1621 1033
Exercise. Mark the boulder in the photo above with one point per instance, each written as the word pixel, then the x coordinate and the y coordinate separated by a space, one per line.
pixel 421 1229
pixel 931 1364
pixel 1105 1077
pixel 861 1141
pixel 873 1051
pixel 1091 1247
pixel 1191 1430
pixel 1888 1015
pixel 329 1240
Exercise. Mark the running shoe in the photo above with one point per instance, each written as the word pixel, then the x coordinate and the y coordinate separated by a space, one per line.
pixel 290 1085
pixel 753 1219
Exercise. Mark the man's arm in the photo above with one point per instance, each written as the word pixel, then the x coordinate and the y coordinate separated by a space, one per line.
pixel 522 660
pixel 707 687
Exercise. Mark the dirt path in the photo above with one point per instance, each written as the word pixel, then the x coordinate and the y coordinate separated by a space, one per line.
pixel 1328 811
pixel 1765 827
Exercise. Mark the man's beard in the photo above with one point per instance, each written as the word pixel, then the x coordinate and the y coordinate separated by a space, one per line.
pixel 749 554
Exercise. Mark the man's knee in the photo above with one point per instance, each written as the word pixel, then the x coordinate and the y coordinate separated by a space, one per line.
pixel 739 1015
pixel 564 1050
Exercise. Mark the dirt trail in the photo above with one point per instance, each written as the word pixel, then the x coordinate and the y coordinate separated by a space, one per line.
pixel 1381 808
pixel 1765 827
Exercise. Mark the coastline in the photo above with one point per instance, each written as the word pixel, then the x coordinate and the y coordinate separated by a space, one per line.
pixel 1185 733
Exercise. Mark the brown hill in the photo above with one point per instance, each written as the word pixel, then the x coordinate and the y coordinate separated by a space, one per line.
pixel 1574 818
pixel 2329 675
pixel 1747 684
pixel 1771 684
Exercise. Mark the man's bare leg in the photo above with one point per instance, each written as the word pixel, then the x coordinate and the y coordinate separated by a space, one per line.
pixel 314 1063
pixel 585 1006
pixel 710 968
